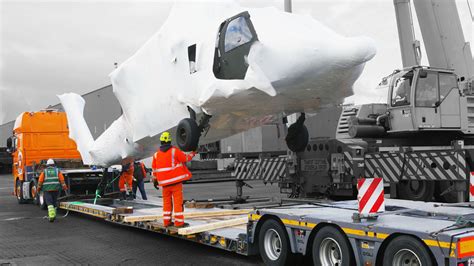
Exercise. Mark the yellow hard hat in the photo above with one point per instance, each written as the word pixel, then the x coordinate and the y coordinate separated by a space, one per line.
pixel 165 137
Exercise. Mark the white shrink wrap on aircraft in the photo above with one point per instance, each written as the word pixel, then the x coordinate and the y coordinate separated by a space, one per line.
pixel 296 65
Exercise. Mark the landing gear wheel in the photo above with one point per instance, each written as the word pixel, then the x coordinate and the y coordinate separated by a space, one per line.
pixel 34 192
pixel 331 247
pixel 19 192
pixel 41 201
pixel 298 136
pixel 274 244
pixel 416 190
pixel 406 250
pixel 187 134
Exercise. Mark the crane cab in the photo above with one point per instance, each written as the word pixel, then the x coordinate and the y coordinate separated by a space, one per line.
pixel 425 99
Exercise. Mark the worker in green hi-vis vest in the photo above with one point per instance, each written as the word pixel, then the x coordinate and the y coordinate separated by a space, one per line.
pixel 51 181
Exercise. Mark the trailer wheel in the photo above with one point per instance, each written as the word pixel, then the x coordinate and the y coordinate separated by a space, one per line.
pixel 19 192
pixel 41 201
pixel 187 135
pixel 274 244
pixel 331 247
pixel 406 250
pixel 416 190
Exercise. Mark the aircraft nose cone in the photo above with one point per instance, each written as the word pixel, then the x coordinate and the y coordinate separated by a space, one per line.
pixel 354 51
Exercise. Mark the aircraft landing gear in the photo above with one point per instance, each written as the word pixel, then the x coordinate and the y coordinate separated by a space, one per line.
pixel 298 136
pixel 188 131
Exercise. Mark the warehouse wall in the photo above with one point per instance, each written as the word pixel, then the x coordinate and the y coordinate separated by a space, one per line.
pixel 5 132
pixel 102 108
pixel 267 138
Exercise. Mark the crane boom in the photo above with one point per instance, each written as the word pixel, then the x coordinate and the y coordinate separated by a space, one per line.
pixel 409 46
pixel 443 36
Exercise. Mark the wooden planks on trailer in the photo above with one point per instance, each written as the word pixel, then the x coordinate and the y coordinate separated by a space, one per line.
pixel 187 214
pixel 212 226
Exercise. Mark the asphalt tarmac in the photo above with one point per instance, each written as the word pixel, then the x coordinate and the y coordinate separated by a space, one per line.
pixel 26 238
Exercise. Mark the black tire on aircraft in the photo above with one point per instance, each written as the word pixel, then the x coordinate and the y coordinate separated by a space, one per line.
pixel 297 137
pixel 187 135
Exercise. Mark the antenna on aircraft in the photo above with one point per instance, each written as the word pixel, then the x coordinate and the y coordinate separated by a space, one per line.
pixel 288 6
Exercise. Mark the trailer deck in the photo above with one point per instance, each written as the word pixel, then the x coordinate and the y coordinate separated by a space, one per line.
pixel 147 215
pixel 445 230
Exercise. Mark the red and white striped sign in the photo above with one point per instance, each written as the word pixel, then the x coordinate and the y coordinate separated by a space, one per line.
pixel 370 195
pixel 471 187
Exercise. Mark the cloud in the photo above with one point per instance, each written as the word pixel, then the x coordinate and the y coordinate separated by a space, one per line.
pixel 48 48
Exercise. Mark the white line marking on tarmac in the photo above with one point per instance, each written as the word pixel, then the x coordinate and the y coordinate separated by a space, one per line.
pixel 6 187
pixel 14 218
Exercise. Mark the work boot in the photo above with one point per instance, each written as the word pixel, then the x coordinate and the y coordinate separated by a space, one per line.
pixel 182 225
pixel 124 195
pixel 51 213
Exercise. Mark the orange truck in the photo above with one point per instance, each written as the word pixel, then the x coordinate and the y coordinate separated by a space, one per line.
pixel 38 136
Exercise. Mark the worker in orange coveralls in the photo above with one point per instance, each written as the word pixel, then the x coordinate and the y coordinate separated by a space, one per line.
pixel 126 177
pixel 170 172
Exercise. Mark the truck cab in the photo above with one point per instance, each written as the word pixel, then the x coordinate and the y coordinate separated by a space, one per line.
pixel 425 99
pixel 38 136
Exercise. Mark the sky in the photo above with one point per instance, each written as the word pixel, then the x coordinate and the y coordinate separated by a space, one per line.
pixel 52 47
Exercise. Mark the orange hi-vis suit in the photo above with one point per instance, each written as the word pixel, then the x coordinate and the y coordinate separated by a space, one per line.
pixel 126 177
pixel 170 171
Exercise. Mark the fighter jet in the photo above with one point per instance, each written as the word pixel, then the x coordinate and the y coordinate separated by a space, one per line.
pixel 216 69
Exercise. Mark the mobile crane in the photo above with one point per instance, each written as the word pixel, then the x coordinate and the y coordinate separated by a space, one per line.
pixel 420 141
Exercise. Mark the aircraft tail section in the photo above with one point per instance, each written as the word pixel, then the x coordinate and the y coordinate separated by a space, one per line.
pixel 74 104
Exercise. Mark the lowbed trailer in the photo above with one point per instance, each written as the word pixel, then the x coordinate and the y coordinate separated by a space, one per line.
pixel 408 233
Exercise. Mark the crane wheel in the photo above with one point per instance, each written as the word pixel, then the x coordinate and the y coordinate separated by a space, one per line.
pixel 187 135
pixel 416 190
pixel 274 245
pixel 331 247
pixel 406 250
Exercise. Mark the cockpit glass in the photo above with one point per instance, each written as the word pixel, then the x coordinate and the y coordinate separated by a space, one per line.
pixel 237 33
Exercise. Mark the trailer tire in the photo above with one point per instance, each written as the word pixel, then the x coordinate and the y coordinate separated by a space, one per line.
pixel 274 245
pixel 331 247
pixel 403 249
pixel 416 190
pixel 187 135
pixel 19 192
pixel 297 138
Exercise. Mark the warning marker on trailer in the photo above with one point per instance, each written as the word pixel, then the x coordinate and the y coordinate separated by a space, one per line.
pixel 370 195
pixel 471 187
